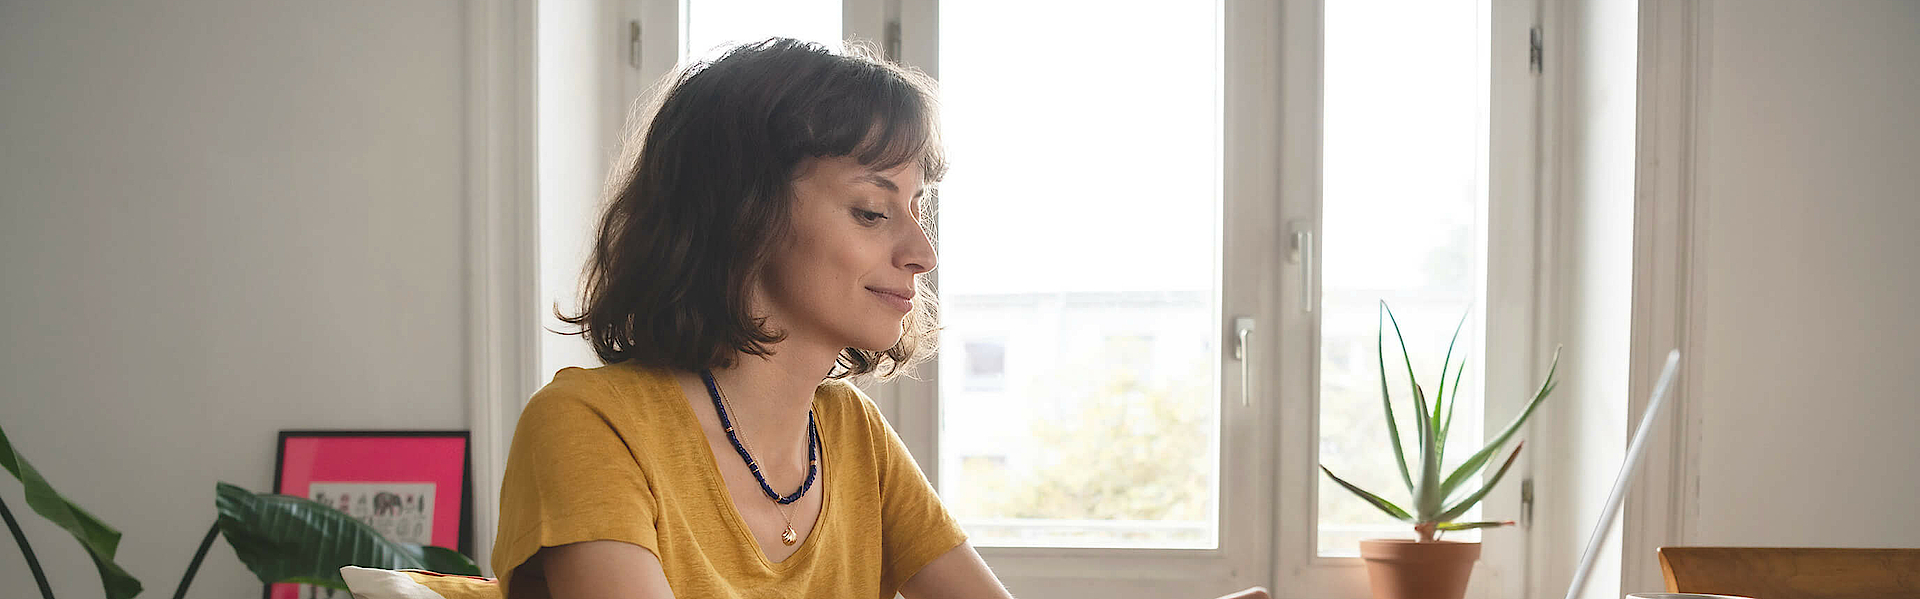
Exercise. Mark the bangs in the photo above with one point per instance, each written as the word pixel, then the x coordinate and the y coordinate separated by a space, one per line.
pixel 879 120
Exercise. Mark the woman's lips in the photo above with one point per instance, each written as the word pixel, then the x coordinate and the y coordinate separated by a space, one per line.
pixel 897 302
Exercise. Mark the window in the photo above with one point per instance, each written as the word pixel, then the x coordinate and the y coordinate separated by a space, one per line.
pixel 1093 236
pixel 1405 92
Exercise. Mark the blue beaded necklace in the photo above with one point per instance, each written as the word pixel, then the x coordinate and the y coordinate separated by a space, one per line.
pixel 813 444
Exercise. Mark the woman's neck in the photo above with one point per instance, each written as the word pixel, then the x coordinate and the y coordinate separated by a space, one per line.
pixel 769 398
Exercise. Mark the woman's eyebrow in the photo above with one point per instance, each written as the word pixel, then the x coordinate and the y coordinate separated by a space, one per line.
pixel 876 179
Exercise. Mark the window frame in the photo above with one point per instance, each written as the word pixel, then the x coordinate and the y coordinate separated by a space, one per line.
pixel 1517 246
pixel 1268 209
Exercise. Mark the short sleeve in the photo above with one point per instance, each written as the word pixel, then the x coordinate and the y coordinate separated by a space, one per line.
pixel 915 526
pixel 570 476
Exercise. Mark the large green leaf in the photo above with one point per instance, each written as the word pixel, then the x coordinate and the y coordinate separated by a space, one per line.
pixel 101 541
pixel 1426 495
pixel 283 538
pixel 1386 399
pixel 1440 399
pixel 1440 393
pixel 1376 500
pixel 1446 428
pixel 1452 526
pixel 1467 503
pixel 446 561
pixel 1472 466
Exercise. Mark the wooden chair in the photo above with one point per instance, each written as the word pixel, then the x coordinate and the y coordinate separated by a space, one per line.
pixel 1793 572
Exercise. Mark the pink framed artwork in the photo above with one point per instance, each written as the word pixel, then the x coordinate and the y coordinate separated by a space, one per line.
pixel 412 486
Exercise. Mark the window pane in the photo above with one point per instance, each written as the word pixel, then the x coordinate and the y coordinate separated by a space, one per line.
pixel 712 24
pixel 1402 221
pixel 1078 273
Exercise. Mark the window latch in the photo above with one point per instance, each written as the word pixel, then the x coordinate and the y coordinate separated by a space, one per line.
pixel 1243 326
pixel 1526 504
pixel 1300 253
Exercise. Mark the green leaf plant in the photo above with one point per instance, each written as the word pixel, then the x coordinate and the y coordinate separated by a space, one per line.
pixel 281 538
pixel 1436 501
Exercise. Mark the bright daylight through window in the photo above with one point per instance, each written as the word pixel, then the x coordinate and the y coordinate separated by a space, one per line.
pixel 1403 219
pixel 1078 274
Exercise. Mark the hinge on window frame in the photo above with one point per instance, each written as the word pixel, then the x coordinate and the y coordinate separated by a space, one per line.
pixel 1526 504
pixel 1536 55
pixel 633 43
pixel 892 44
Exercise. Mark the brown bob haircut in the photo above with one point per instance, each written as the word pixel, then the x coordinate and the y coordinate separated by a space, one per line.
pixel 701 197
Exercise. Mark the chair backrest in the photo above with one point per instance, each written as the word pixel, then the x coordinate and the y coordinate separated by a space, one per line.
pixel 1793 572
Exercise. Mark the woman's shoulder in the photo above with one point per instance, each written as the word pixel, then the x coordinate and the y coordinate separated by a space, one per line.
pixel 856 412
pixel 845 399
pixel 599 410
pixel 600 390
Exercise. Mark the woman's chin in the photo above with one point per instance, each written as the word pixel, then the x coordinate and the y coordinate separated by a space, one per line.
pixel 876 346
pixel 878 341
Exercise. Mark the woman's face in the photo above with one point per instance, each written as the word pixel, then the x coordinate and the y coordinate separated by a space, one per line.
pixel 855 245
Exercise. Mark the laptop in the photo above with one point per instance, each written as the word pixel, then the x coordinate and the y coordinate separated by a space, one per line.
pixel 1625 478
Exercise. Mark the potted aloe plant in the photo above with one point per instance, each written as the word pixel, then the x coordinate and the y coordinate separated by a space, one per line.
pixel 281 538
pixel 1428 568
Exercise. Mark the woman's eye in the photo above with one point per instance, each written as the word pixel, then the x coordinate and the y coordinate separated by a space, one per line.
pixel 868 215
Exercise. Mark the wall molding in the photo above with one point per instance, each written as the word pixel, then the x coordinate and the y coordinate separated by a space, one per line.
pixel 1662 506
pixel 502 229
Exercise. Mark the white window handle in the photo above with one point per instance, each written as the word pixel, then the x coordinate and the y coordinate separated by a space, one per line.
pixel 1242 326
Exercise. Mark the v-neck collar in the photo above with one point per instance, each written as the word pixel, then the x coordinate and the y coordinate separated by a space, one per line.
pixel 717 483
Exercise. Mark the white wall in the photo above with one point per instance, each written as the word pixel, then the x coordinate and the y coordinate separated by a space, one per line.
pixel 220 219
pixel 1799 164
pixel 1808 274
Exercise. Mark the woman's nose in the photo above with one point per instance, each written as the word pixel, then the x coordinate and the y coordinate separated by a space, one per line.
pixel 920 256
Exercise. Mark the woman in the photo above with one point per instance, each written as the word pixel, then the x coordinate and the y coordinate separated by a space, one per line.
pixel 765 244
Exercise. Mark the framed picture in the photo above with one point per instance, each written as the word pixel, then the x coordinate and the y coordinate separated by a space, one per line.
pixel 412 486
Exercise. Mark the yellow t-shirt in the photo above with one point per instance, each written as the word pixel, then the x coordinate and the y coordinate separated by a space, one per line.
pixel 615 453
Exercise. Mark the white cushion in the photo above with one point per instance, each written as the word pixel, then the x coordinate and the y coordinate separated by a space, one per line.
pixel 375 583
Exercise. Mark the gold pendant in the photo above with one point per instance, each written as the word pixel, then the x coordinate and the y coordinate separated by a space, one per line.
pixel 790 537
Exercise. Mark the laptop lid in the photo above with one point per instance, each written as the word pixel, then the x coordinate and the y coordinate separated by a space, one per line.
pixel 1625 478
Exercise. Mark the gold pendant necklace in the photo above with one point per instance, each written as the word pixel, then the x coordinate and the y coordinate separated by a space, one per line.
pixel 790 536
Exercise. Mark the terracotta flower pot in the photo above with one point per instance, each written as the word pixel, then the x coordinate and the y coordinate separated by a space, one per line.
pixel 1404 569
